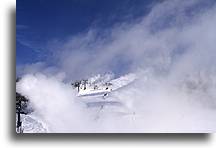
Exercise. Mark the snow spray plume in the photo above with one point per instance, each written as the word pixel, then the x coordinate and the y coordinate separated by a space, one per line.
pixel 171 50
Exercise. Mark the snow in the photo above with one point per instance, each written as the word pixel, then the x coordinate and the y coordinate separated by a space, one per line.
pixel 135 104
pixel 92 92
pixel 123 81
pixel 32 125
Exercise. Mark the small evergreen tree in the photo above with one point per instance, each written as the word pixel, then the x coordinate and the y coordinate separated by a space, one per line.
pixel 21 107
pixel 76 84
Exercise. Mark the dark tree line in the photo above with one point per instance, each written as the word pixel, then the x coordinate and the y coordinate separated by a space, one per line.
pixel 21 102
pixel 21 106
pixel 77 84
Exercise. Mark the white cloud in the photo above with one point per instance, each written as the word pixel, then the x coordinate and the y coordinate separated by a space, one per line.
pixel 172 49
pixel 170 28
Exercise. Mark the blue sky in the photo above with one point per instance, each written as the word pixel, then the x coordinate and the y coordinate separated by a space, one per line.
pixel 82 38
pixel 169 45
pixel 39 21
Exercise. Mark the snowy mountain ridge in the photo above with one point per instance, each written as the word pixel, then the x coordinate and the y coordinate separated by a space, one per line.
pixel 30 123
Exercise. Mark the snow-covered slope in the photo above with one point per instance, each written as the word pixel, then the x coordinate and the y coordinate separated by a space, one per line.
pixel 123 81
pixel 138 103
pixel 94 103
pixel 30 124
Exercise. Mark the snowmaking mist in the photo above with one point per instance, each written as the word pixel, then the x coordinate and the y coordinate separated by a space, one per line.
pixel 171 52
